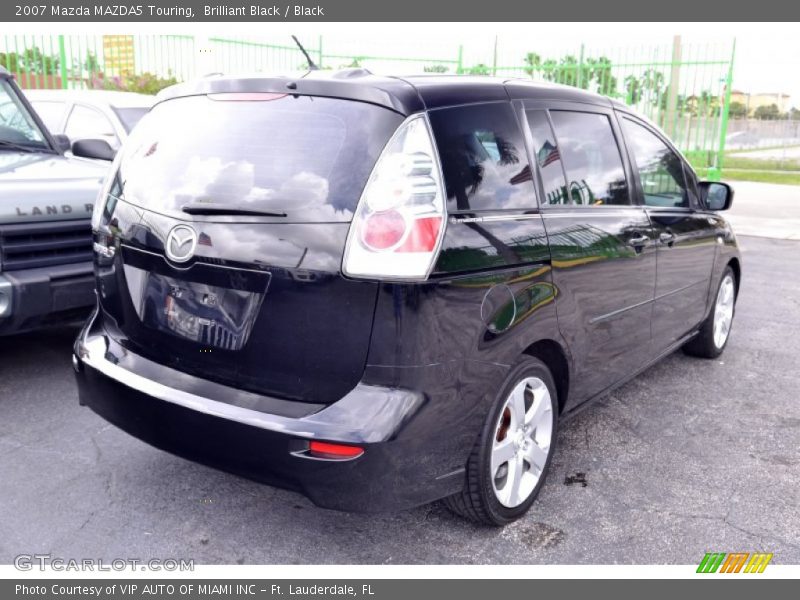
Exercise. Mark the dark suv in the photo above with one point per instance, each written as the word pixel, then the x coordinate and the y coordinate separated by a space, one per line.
pixel 381 291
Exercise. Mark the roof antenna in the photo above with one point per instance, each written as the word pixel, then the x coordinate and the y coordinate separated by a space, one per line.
pixel 311 65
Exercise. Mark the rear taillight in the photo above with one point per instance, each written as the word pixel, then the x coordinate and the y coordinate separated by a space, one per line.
pixel 334 451
pixel 399 223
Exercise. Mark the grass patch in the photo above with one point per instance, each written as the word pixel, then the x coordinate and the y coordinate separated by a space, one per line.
pixel 772 164
pixel 743 150
pixel 761 176
pixel 757 164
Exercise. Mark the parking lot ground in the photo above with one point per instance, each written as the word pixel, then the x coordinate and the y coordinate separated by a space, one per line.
pixel 692 456
pixel 765 210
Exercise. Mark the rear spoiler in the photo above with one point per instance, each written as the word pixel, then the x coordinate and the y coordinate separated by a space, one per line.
pixel 348 84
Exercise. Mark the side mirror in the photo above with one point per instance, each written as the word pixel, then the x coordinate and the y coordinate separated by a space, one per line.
pixel 716 195
pixel 89 148
pixel 62 142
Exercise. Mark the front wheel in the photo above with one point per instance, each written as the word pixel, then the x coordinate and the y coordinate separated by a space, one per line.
pixel 508 464
pixel 715 330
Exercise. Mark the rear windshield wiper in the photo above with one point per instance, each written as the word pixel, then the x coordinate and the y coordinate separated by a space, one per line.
pixel 207 208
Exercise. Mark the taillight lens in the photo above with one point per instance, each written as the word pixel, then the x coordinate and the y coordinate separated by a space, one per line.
pixel 398 226
pixel 383 230
pixel 333 451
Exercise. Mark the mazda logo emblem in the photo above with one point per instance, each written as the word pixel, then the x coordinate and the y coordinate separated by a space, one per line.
pixel 181 242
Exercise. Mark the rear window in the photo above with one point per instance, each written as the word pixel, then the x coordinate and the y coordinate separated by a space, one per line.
pixel 305 156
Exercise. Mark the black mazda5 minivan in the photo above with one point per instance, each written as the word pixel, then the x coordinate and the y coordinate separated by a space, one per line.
pixel 383 291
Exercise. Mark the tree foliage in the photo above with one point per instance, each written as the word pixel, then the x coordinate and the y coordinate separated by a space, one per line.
pixel 768 112
pixel 32 61
pixel 737 110
pixel 589 74
pixel 479 69
pixel 143 83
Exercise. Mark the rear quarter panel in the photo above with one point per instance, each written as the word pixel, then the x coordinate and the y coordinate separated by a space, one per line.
pixel 456 336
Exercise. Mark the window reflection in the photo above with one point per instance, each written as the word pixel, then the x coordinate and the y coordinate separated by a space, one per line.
pixel 482 156
pixel 591 158
pixel 660 169
pixel 309 157
pixel 548 158
pixel 16 124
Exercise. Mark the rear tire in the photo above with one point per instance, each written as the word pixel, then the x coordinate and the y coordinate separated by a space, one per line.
pixel 508 464
pixel 715 330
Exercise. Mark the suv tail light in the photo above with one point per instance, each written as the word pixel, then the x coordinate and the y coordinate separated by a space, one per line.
pixel 399 222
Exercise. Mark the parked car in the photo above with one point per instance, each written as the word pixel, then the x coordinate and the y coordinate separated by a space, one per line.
pixel 46 202
pixel 382 291
pixel 94 114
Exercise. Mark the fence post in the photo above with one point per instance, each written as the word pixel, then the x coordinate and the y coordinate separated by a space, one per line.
pixel 62 61
pixel 723 127
pixel 319 50
pixel 671 114
pixel 579 75
pixel 460 66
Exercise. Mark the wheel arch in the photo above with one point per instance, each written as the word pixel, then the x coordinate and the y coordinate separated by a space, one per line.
pixel 736 267
pixel 551 353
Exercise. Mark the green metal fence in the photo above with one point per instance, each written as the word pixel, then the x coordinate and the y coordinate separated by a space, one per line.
pixel 685 88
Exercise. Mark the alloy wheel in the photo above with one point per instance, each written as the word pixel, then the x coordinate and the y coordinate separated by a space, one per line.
pixel 522 442
pixel 723 311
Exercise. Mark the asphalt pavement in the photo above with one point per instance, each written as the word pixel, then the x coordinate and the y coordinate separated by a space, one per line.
pixel 765 210
pixel 692 456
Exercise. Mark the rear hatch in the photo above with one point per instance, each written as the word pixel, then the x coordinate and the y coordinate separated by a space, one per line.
pixel 222 235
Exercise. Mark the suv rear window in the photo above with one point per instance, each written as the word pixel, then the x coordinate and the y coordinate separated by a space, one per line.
pixel 305 156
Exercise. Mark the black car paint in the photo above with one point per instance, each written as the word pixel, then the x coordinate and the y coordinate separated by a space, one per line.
pixel 303 303
pixel 506 283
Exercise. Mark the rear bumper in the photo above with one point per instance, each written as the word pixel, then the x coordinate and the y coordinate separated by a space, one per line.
pixel 44 296
pixel 185 416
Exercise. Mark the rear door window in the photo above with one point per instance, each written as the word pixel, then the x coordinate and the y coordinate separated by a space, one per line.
pixel 307 157
pixel 592 160
pixel 483 158
pixel 548 157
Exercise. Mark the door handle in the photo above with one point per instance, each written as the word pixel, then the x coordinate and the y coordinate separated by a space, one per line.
pixel 638 241
pixel 667 237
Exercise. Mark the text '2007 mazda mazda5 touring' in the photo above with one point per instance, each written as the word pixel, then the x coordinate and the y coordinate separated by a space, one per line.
pixel 381 292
